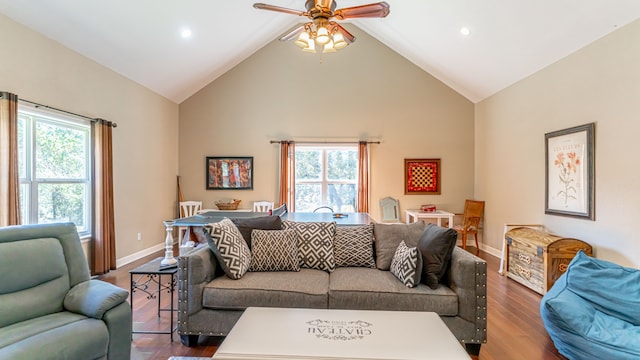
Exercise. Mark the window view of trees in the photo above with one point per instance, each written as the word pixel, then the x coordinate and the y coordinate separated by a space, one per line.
pixel 326 176
pixel 54 164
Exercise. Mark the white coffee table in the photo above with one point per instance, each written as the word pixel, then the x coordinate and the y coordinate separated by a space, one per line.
pixel 304 334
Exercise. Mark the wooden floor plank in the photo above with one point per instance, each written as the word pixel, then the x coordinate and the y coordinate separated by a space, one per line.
pixel 514 327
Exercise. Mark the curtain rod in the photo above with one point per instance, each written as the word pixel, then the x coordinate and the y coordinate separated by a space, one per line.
pixel 37 105
pixel 322 142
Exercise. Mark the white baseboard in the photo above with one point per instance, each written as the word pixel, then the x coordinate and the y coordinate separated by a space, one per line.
pixel 140 254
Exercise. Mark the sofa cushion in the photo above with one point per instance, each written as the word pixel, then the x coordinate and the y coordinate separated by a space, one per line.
pixel 387 237
pixel 274 250
pixel 611 288
pixel 353 246
pixel 247 225
pixel 33 279
pixel 68 335
pixel 436 246
pixel 315 243
pixel 373 289
pixel 229 247
pixel 306 288
pixel 406 264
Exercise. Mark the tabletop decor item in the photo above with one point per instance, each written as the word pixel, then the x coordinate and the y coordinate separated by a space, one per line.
pixel 229 173
pixel 569 170
pixel 422 176
pixel 233 205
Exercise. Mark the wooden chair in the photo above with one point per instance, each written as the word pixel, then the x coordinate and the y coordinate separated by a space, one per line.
pixel 473 211
pixel 262 206
pixel 188 208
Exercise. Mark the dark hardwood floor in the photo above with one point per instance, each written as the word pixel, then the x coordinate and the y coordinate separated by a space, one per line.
pixel 514 327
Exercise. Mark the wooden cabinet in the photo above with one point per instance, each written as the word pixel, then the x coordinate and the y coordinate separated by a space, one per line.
pixel 536 259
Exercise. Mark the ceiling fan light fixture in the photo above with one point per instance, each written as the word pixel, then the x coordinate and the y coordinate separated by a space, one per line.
pixel 329 47
pixel 303 40
pixel 311 47
pixel 339 42
pixel 322 37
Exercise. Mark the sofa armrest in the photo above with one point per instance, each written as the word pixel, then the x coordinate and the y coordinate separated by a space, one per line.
pixel 468 278
pixel 195 269
pixel 93 298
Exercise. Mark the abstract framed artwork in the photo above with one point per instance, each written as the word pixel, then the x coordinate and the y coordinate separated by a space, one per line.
pixel 229 173
pixel 422 176
pixel 569 172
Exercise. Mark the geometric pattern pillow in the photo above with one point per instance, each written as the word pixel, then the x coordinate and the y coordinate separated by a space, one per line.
pixel 406 265
pixel 315 243
pixel 229 248
pixel 274 250
pixel 353 246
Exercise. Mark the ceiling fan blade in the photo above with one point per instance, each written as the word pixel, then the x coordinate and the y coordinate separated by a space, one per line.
pixel 293 33
pixel 376 10
pixel 348 37
pixel 262 6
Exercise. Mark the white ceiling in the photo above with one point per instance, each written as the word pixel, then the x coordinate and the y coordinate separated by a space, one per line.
pixel 140 39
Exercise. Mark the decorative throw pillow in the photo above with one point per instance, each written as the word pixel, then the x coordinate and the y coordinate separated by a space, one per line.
pixel 274 250
pixel 436 246
pixel 406 264
pixel 229 247
pixel 353 246
pixel 246 225
pixel 387 237
pixel 315 243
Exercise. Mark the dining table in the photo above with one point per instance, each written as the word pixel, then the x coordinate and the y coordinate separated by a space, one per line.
pixel 195 224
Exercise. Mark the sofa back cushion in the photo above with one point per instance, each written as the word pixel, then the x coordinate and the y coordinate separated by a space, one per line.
pixel 34 279
pixel 387 237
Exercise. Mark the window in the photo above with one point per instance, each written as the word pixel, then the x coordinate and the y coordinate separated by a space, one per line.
pixel 55 168
pixel 326 176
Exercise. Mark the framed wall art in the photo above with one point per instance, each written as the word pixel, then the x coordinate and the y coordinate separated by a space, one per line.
pixel 422 176
pixel 569 172
pixel 229 173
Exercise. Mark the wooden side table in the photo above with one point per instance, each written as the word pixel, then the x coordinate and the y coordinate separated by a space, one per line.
pixel 148 278
pixel 415 215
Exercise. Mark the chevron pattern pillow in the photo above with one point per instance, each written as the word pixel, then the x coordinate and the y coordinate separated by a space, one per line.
pixel 353 246
pixel 274 250
pixel 406 264
pixel 315 243
pixel 229 248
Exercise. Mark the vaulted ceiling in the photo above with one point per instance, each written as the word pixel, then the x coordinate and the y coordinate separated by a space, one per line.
pixel 141 39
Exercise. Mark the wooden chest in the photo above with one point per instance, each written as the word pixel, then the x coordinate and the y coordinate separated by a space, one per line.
pixel 536 259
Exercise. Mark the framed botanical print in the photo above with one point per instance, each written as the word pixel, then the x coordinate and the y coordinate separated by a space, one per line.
pixel 569 172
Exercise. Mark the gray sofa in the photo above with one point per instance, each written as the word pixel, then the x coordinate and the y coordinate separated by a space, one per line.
pixel 210 303
pixel 49 306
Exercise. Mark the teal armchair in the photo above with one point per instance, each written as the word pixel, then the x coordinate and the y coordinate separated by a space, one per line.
pixel 49 306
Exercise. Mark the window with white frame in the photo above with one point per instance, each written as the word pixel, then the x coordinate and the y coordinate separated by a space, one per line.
pixel 326 176
pixel 54 153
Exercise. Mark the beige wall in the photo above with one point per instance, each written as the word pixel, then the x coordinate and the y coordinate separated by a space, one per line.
pixel 363 92
pixel 144 143
pixel 601 84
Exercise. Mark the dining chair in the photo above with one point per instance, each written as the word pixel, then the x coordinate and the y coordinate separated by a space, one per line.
pixel 280 210
pixel 323 209
pixel 262 206
pixel 187 209
pixel 473 211
pixel 390 209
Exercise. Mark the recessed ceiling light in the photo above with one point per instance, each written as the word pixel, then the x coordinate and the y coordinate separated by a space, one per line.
pixel 186 33
pixel 465 31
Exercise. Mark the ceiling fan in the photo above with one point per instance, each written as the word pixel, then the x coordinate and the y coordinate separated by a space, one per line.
pixel 322 30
